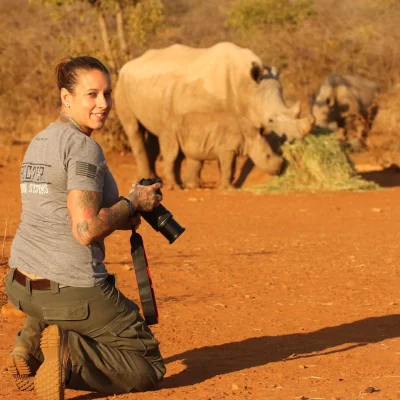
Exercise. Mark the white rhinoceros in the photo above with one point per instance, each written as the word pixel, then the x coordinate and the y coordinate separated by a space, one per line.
pixel 155 88
pixel 221 136
pixel 346 103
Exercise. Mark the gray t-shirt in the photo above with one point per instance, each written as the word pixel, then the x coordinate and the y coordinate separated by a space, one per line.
pixel 60 158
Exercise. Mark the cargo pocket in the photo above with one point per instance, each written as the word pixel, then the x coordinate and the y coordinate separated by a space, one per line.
pixel 130 333
pixel 67 312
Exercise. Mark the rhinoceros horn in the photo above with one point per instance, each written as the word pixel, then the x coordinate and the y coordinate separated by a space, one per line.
pixel 306 124
pixel 295 110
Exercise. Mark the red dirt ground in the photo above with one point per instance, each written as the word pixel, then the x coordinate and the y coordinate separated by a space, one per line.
pixel 275 296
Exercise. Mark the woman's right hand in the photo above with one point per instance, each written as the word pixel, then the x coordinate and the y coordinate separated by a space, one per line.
pixel 145 198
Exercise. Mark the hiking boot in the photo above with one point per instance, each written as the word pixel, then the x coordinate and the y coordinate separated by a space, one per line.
pixel 22 365
pixel 51 377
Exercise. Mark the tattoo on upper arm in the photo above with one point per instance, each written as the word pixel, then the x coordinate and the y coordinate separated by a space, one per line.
pixel 89 204
pixel 82 228
pixel 87 201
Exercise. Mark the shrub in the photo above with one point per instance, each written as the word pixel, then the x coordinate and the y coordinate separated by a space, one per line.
pixel 146 17
pixel 248 14
pixel 381 3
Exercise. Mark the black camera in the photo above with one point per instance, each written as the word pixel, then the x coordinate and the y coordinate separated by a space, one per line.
pixel 160 219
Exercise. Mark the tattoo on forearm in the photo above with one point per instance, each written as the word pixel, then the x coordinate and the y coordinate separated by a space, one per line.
pixel 106 219
pixel 115 214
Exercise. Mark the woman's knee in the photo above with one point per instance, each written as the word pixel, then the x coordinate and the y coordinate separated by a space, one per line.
pixel 148 377
pixel 145 382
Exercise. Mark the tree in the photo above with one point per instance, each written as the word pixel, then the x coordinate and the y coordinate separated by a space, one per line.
pixel 141 17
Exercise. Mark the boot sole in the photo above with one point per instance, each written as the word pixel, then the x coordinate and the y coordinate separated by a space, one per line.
pixel 21 373
pixel 48 381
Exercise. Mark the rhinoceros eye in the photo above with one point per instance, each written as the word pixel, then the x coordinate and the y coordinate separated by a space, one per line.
pixel 271 120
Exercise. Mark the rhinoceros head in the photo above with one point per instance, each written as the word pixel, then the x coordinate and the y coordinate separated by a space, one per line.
pixel 323 106
pixel 287 125
pixel 268 110
pixel 259 150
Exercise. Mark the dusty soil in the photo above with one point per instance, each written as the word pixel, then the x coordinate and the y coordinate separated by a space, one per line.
pixel 275 296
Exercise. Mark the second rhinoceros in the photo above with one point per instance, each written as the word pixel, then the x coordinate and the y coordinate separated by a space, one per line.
pixel 347 104
pixel 221 136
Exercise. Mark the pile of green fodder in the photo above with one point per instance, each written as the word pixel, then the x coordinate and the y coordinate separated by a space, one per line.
pixel 318 162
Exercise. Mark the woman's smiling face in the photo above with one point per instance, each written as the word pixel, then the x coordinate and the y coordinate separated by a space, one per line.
pixel 90 102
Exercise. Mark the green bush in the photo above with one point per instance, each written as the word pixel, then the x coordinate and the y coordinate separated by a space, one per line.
pixel 248 14
pixel 318 162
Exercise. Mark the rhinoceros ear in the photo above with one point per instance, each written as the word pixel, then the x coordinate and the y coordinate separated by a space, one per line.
pixel 271 72
pixel 256 71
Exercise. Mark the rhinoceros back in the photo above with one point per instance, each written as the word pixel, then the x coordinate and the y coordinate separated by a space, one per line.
pixel 363 89
pixel 165 83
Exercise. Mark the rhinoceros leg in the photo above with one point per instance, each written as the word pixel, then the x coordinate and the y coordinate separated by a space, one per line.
pixel 152 147
pixel 191 173
pixel 135 134
pixel 227 160
pixel 169 148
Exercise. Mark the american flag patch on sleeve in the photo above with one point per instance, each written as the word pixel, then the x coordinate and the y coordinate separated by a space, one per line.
pixel 86 169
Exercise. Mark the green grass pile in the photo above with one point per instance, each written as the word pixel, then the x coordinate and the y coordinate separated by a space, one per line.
pixel 317 163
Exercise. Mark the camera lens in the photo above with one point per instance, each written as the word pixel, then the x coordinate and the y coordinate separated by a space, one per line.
pixel 160 218
pixel 170 229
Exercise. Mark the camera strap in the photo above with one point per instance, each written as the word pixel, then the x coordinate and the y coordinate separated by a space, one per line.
pixel 143 278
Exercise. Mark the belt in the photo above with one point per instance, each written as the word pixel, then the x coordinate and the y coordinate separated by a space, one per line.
pixel 36 284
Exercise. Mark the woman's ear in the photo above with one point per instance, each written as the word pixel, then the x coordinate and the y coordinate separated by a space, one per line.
pixel 65 97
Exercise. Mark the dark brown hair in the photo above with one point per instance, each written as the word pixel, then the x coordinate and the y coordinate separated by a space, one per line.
pixel 67 70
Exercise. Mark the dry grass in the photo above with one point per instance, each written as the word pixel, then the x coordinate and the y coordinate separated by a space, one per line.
pixel 385 133
pixel 316 163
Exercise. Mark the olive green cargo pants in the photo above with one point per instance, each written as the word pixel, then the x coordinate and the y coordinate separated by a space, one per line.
pixel 112 348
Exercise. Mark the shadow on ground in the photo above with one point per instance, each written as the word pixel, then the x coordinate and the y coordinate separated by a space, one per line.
pixel 206 362
pixel 388 177
pixel 247 167
pixel 92 396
